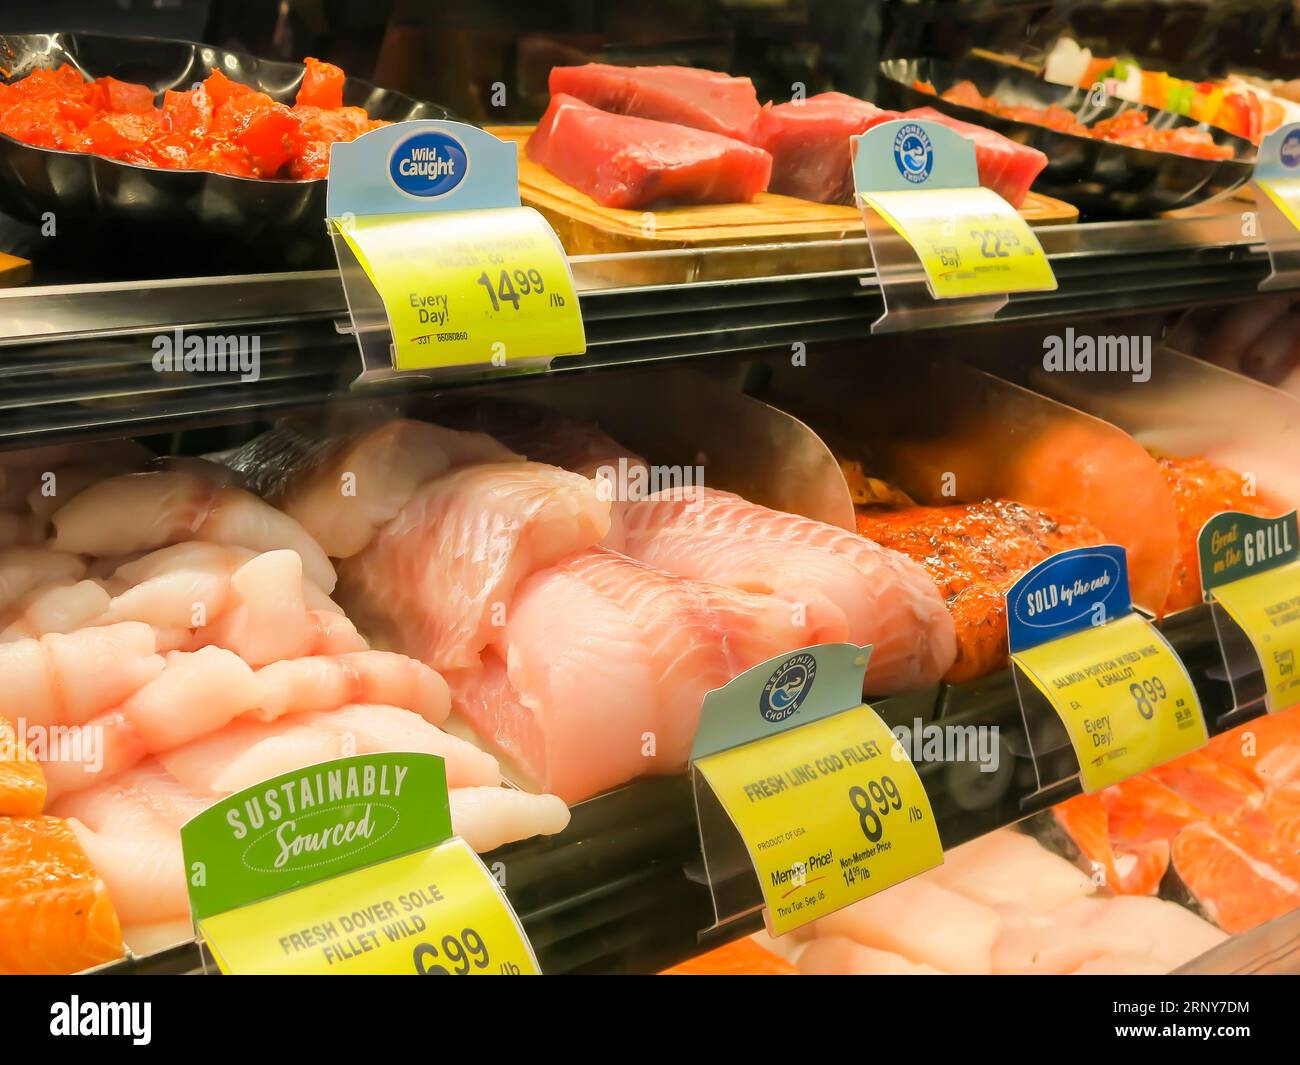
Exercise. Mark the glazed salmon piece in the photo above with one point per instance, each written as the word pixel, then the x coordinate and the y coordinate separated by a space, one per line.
pixel 55 915
pixel 975 552
pixel 1241 878
pixel 22 784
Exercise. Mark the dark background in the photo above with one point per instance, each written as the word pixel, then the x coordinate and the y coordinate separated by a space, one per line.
pixel 456 52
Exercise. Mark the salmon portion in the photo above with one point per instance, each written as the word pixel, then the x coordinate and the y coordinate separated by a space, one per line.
pixel 1208 784
pixel 22 784
pixel 975 552
pixel 55 914
pixel 1242 879
pixel 1226 816
pixel 1200 490
pixel 1134 868
pixel 1089 469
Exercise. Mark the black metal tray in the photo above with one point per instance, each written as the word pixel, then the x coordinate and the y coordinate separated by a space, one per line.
pixel 274 223
pixel 1102 178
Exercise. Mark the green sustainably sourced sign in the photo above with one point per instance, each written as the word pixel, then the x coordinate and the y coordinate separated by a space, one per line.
pixel 313 824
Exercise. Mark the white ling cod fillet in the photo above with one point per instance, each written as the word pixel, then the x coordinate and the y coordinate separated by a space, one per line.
pixel 886 599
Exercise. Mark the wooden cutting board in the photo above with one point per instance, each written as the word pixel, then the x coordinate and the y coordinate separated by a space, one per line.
pixel 586 228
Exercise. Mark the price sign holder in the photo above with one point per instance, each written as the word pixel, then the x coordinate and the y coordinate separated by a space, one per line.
pixel 806 801
pixel 445 272
pixel 348 867
pixel 1102 693
pixel 947 251
pixel 1250 574
pixel 1277 197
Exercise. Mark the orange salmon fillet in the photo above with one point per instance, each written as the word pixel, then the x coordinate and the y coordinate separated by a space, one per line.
pixel 22 784
pixel 1242 879
pixel 975 552
pixel 55 915
pixel 1200 490
pixel 741 958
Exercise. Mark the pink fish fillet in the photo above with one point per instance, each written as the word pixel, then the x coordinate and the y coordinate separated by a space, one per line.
pixel 886 600
pixel 129 828
pixel 703 99
pixel 24 569
pixel 267 619
pixel 438 580
pixel 633 163
pixel 925 923
pixel 488 818
pixel 144 511
pixel 61 606
pixel 248 751
pixel 188 585
pixel 809 144
pixel 1033 942
pixel 600 671
pixel 195 694
pixel 67 679
pixel 841 956
pixel 345 483
pixel 325 682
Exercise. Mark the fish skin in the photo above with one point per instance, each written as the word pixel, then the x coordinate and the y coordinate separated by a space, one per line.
pixel 975 552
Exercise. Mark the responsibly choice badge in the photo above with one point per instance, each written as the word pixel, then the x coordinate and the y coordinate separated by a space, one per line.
pixel 921 178
pixel 1123 696
pixel 813 792
pixel 348 867
pixel 1250 568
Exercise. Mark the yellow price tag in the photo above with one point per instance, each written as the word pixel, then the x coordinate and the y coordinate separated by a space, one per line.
pixel 970 241
pixel 1125 698
pixel 830 813
pixel 437 912
pixel 1266 606
pixel 1285 194
pixel 464 288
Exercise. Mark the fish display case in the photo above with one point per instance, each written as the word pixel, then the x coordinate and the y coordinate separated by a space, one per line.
pixel 223 569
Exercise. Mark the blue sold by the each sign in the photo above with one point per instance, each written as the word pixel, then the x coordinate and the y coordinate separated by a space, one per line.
pixel 1068 593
